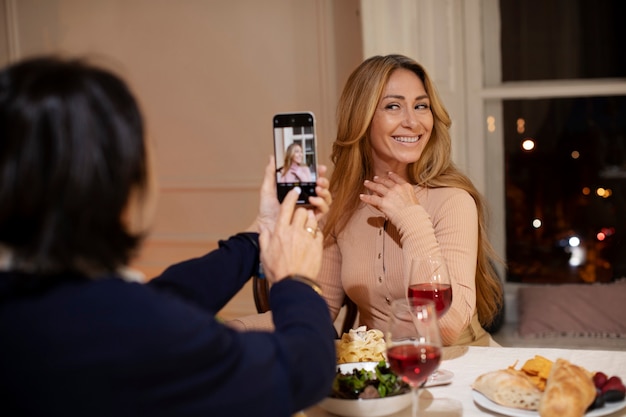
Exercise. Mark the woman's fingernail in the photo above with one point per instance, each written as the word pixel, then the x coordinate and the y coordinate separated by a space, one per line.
pixel 298 190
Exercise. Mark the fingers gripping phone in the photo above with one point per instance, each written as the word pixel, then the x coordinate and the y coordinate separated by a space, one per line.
pixel 295 152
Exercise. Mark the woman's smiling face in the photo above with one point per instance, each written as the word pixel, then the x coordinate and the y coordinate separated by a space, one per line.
pixel 297 154
pixel 402 124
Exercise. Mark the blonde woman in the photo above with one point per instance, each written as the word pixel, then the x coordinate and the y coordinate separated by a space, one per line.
pixel 398 196
pixel 294 169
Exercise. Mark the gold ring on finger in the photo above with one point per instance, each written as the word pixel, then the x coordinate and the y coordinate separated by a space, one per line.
pixel 312 231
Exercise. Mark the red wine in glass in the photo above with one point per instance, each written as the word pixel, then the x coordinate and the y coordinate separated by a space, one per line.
pixel 429 278
pixel 414 363
pixel 441 294
pixel 413 343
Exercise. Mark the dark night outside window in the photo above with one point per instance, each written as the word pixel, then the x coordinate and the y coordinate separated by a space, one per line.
pixel 563 39
pixel 566 197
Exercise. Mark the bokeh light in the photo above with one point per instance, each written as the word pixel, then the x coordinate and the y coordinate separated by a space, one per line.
pixel 528 144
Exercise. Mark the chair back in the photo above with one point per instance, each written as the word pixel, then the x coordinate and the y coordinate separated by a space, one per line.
pixel 261 292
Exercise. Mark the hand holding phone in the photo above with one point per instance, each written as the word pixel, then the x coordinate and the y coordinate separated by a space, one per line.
pixel 295 152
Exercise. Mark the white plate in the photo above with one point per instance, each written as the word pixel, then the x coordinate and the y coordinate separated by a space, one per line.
pixel 485 402
pixel 373 407
pixel 443 377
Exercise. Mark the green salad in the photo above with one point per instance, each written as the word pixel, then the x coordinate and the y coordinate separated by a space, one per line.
pixel 361 383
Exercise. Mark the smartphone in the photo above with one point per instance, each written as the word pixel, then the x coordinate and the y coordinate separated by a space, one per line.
pixel 295 152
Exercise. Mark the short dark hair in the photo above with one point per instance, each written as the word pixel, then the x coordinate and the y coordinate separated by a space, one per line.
pixel 71 152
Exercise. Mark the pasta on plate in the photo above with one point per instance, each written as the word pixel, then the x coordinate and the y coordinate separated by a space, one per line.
pixel 361 345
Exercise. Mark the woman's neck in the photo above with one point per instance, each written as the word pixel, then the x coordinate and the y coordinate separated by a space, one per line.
pixel 382 169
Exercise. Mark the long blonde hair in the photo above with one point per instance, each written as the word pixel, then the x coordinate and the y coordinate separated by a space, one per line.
pixel 289 155
pixel 352 159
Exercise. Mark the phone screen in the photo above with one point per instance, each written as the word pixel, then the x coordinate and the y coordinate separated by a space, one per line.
pixel 295 151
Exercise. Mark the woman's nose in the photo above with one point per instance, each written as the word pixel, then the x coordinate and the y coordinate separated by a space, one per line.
pixel 410 119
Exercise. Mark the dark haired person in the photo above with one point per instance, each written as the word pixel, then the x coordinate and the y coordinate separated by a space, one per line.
pixel 77 338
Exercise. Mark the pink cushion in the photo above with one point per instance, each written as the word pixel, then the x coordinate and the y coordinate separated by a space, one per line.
pixel 597 310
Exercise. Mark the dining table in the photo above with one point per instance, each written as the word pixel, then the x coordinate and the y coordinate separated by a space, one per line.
pixel 457 398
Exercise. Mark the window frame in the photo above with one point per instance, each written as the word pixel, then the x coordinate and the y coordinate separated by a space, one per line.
pixel 485 94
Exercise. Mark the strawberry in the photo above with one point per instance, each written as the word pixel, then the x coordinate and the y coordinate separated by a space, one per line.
pixel 613 383
pixel 613 390
pixel 599 379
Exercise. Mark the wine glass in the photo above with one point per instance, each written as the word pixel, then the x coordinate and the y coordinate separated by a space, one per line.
pixel 413 343
pixel 429 278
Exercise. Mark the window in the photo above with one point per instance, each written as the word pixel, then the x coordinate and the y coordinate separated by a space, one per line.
pixel 559 100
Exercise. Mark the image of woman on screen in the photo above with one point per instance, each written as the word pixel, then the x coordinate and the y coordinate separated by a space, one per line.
pixel 294 168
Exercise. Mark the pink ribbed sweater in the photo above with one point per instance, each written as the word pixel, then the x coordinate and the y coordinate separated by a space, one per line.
pixel 369 256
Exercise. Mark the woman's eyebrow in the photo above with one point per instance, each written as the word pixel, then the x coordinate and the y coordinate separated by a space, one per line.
pixel 401 97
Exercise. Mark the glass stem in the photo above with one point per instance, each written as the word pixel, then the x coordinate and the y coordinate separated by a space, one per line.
pixel 416 399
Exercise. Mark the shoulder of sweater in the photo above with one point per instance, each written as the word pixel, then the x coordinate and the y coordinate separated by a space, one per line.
pixel 443 195
pixel 437 201
pixel 441 191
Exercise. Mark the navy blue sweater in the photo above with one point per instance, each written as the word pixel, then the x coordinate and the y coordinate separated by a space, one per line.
pixel 76 347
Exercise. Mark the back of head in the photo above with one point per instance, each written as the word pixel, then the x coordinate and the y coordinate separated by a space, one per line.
pixel 71 152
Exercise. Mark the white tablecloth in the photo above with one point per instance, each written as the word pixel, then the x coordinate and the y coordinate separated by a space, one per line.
pixel 467 363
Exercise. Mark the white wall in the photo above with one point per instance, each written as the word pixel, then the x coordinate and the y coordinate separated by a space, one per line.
pixel 431 32
pixel 209 75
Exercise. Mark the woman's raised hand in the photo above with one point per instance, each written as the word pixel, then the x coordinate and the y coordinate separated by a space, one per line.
pixel 390 194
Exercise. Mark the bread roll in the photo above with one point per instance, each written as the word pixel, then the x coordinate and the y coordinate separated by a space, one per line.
pixel 510 388
pixel 569 391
